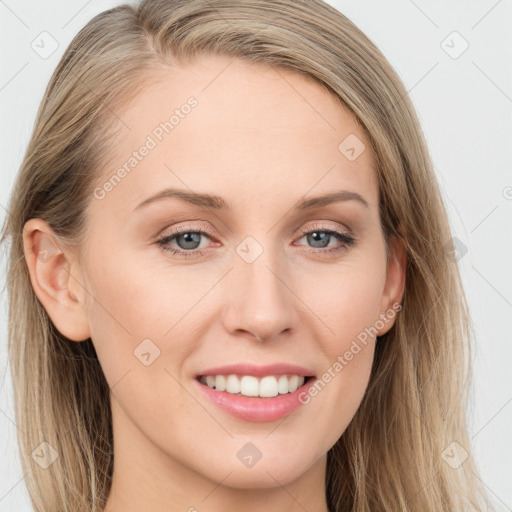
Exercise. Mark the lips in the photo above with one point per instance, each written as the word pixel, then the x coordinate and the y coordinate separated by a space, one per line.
pixel 256 408
pixel 258 371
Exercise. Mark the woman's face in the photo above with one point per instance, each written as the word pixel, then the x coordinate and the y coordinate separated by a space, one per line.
pixel 245 286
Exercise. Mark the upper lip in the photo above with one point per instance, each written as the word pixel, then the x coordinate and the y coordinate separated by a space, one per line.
pixel 258 371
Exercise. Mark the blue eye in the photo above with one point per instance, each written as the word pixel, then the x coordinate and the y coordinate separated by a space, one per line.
pixel 189 241
pixel 187 237
pixel 324 236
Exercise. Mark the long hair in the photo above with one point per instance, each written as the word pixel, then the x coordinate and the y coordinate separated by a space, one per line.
pixel 397 452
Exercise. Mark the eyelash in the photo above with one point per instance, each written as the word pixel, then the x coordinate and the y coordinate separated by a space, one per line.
pixel 345 239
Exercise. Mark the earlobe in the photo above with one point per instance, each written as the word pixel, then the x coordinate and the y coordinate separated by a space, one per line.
pixel 51 269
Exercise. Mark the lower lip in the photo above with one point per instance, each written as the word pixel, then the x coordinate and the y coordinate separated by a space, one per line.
pixel 257 409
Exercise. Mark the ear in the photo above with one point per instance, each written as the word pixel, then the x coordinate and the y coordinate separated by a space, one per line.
pixel 53 273
pixel 395 284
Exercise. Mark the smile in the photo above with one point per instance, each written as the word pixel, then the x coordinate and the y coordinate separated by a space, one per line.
pixel 255 399
pixel 249 385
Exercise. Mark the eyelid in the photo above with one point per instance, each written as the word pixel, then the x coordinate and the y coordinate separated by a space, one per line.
pixel 210 232
pixel 318 225
pixel 187 228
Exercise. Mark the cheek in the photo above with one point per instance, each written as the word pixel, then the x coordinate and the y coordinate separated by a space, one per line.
pixel 142 313
pixel 141 337
pixel 346 298
pixel 348 304
pixel 136 299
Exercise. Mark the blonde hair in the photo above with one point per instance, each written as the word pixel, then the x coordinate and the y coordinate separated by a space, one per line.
pixel 390 458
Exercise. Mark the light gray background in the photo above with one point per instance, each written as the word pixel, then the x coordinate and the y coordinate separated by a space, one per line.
pixel 465 107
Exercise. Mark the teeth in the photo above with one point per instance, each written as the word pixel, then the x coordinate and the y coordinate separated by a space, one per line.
pixel 268 386
pixel 249 385
pixel 220 383
pixel 293 383
pixel 282 385
pixel 232 384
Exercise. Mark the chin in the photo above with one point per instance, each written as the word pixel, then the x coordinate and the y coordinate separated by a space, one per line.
pixel 260 477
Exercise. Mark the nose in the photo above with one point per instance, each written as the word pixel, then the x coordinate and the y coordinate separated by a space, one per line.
pixel 260 301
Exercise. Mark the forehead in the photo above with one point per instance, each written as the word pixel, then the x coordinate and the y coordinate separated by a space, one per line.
pixel 241 130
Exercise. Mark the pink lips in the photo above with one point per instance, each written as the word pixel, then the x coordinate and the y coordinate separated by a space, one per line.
pixel 257 409
pixel 259 371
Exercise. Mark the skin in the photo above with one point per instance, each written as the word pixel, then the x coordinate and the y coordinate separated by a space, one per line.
pixel 262 139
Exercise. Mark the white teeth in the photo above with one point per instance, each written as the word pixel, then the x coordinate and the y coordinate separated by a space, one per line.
pixel 220 383
pixel 233 384
pixel 268 386
pixel 282 385
pixel 249 385
pixel 293 383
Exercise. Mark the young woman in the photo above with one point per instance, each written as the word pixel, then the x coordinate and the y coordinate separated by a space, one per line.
pixel 230 276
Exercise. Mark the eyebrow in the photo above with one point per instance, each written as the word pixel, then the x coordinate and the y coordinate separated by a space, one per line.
pixel 218 203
